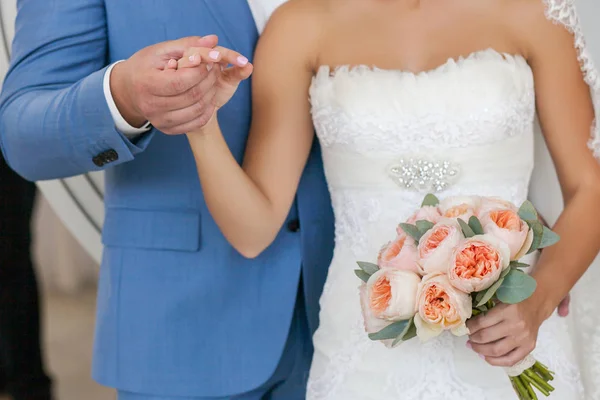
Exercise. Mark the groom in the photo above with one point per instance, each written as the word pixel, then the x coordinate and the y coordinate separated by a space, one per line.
pixel 180 314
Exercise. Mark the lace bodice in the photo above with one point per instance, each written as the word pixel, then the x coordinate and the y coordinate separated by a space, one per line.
pixel 389 137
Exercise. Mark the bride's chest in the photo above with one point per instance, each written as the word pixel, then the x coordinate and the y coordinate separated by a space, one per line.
pixel 480 100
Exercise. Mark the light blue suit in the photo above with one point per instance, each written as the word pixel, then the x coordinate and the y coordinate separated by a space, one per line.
pixel 180 312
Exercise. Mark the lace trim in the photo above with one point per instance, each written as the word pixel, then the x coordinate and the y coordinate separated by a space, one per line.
pixel 564 12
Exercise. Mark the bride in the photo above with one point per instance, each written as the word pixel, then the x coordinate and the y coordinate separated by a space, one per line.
pixel 385 81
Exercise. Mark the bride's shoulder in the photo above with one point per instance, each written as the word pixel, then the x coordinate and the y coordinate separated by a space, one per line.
pixel 309 12
pixel 537 26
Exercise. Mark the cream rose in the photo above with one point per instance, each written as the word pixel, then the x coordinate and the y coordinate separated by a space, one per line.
pixel 390 295
pixel 437 245
pixel 477 263
pixel 440 307
pixel 399 254
pixel 495 203
pixel 463 207
pixel 425 213
pixel 506 225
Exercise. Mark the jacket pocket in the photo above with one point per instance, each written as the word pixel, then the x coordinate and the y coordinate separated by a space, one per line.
pixel 152 229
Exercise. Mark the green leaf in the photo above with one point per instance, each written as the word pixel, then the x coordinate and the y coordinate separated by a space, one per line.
pixel 423 226
pixel 412 231
pixel 362 275
pixel 467 231
pixel 391 331
pixel 475 225
pixel 430 200
pixel 409 332
pixel 515 264
pixel 479 296
pixel 368 267
pixel 528 212
pixel 538 233
pixel 517 286
pixel 549 238
pixel 491 291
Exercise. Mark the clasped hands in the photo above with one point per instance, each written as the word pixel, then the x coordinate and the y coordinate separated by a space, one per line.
pixel 178 85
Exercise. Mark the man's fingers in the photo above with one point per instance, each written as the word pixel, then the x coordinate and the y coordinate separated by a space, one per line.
pixel 177 48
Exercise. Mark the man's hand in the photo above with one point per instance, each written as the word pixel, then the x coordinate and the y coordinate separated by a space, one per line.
pixel 174 101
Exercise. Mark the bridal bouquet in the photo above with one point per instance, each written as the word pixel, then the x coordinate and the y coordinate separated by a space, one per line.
pixel 450 261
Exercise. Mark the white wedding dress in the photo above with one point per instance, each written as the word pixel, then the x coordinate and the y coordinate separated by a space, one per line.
pixel 471 121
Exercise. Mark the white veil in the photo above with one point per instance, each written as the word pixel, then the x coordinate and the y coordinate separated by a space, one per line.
pixel 546 195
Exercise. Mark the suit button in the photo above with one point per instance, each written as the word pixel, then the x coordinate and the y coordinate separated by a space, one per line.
pixel 105 157
pixel 293 225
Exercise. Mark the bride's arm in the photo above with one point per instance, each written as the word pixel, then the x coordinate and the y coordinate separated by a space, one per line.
pixel 250 204
pixel 566 114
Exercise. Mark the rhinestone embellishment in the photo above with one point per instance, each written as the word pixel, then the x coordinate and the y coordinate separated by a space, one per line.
pixel 424 175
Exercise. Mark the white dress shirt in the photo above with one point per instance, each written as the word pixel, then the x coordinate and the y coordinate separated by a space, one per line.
pixel 261 11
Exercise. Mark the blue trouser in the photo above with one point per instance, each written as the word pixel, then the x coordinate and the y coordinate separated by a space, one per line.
pixel 289 380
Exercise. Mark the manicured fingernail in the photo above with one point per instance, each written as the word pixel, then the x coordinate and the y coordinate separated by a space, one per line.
pixel 469 346
pixel 214 55
pixel 242 60
pixel 481 356
pixel 194 58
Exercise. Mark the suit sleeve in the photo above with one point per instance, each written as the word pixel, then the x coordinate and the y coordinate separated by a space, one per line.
pixel 54 118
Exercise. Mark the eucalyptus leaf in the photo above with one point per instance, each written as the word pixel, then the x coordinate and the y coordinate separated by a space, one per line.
pixel 517 286
pixel 412 231
pixel 423 226
pixel 391 331
pixel 362 275
pixel 549 238
pixel 504 273
pixel 515 264
pixel 527 211
pixel 538 233
pixel 491 291
pixel 475 225
pixel 430 200
pixel 368 267
pixel 411 330
pixel 467 231
pixel 479 296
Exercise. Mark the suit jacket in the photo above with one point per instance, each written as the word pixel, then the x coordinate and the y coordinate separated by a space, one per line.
pixel 179 311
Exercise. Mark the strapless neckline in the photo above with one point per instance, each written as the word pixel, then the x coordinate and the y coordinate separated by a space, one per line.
pixel 452 63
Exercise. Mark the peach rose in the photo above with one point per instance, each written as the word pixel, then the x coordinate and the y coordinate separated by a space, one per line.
pixel 495 203
pixel 425 213
pixel 506 225
pixel 477 263
pixel 389 295
pixel 440 306
pixel 436 246
pixel 400 254
pixel 463 207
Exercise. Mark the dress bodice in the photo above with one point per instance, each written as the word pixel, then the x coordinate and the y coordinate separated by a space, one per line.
pixel 389 137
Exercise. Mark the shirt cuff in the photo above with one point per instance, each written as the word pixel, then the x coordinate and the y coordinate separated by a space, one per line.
pixel 122 126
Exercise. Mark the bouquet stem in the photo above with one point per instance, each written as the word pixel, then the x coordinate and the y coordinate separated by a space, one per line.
pixel 536 377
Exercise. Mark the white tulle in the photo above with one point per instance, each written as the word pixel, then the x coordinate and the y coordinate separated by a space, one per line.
pixel 368 119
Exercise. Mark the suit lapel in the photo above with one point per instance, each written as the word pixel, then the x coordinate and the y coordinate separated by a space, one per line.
pixel 225 14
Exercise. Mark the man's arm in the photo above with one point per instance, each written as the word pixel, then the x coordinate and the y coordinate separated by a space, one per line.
pixel 54 119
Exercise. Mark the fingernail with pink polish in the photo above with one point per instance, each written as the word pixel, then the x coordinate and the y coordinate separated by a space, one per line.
pixel 469 346
pixel 242 60
pixel 481 356
pixel 214 55
pixel 194 58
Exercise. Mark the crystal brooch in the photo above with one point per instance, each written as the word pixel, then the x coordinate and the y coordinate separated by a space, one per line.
pixel 424 175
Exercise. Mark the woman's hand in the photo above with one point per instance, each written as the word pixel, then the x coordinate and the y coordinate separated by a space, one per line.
pixel 227 70
pixel 507 333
